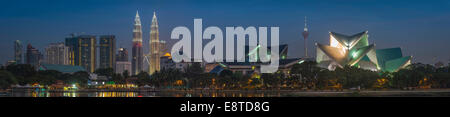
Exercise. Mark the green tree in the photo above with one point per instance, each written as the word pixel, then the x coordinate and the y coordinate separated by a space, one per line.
pixel 353 77
pixel 79 78
pixel 441 78
pixel 109 72
pixel 125 74
pixel 412 75
pixel 272 80
pixel 306 69
pixel 195 68
pixel 305 74
pixel 47 77
pixel 118 79
pixel 22 72
pixel 143 78
pixel 227 78
pixel 226 73
pixel 6 79
pixel 326 78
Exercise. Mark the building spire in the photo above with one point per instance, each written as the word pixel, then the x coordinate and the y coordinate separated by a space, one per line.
pixel 137 19
pixel 137 13
pixel 306 27
pixel 137 30
pixel 154 19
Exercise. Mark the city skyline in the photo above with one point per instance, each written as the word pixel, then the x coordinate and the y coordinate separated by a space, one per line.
pixel 225 57
pixel 388 29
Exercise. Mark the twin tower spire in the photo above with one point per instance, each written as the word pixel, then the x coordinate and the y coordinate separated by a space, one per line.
pixel 137 52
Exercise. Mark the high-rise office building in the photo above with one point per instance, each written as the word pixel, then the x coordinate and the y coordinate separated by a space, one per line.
pixel 122 66
pixel 18 51
pixel 154 46
pixel 137 52
pixel 33 56
pixel 122 55
pixel 162 48
pixel 122 63
pixel 107 46
pixel 82 51
pixel 57 53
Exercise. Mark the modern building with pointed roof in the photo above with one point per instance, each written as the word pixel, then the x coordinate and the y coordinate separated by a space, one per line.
pixel 137 58
pixel 154 52
pixel 355 50
pixel 391 59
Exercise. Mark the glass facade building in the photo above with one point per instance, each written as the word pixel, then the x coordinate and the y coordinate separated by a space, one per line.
pixel 107 46
pixel 137 54
pixel 57 53
pixel 82 51
pixel 18 52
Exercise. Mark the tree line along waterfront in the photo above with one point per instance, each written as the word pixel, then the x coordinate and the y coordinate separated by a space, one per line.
pixel 304 76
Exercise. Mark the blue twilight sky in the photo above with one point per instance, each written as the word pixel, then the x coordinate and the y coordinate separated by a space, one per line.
pixel 421 28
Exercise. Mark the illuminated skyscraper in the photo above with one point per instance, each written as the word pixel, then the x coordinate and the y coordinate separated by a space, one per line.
pixel 18 52
pixel 57 53
pixel 82 51
pixel 107 51
pixel 122 55
pixel 162 47
pixel 137 52
pixel 33 56
pixel 154 46
pixel 122 63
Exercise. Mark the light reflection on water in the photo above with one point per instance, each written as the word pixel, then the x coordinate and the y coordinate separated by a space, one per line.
pixel 427 93
pixel 145 94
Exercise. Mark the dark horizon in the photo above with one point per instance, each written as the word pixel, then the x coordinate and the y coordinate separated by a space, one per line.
pixel 420 28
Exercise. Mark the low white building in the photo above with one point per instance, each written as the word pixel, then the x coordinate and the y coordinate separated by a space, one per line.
pixel 122 66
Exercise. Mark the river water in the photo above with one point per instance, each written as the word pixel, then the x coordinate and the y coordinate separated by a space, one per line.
pixel 145 94
pixel 243 93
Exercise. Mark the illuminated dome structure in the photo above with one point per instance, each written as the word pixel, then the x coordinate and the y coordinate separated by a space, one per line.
pixel 355 51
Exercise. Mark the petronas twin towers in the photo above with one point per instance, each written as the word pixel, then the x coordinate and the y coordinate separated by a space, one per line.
pixel 137 51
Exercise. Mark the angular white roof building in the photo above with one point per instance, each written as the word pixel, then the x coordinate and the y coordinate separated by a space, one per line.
pixel 355 50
